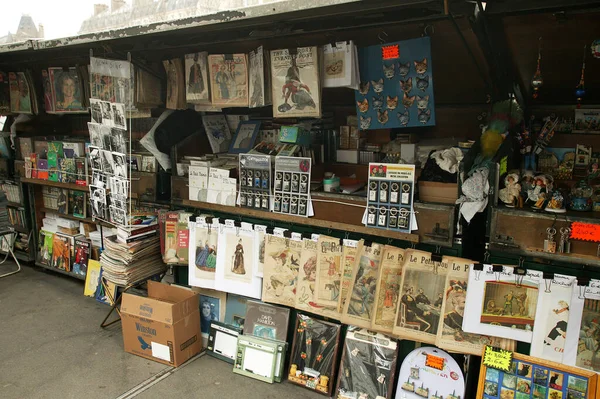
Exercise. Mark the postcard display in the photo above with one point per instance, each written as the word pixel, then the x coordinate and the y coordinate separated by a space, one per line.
pixel 255 181
pixel 396 87
pixel 292 186
pixel 367 367
pixel 430 373
pixel 390 196
pixel 530 377
pixel 110 140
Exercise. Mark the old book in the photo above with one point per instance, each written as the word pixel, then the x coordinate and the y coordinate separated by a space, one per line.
pixel 197 83
pixel 280 273
pixel 349 253
pixel 183 238
pixel 266 321
pixel 295 83
pixel 388 290
pixel 170 255
pixel 228 80
pixel 329 271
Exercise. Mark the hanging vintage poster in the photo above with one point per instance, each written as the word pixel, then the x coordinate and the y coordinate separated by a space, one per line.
pixel 388 290
pixel 202 256
pixel 340 61
pixel 259 79
pixel 282 261
pixel 583 327
pixel 349 253
pixel 196 72
pixel 450 335
pixel 111 81
pixel 501 303
pixel 360 300
pixel 228 80
pixel 66 90
pixel 329 271
pixel 550 329
pixel 235 261
pixel 422 291
pixel 295 83
pixel 260 232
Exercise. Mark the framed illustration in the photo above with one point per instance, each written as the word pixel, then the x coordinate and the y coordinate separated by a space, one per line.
pixel 314 354
pixel 532 377
pixel 203 250
pixel 280 274
pixel 244 138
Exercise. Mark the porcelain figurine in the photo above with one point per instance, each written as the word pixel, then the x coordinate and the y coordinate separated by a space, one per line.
pixel 511 193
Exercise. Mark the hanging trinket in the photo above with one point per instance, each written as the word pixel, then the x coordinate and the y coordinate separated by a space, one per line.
pixel 537 81
pixel 580 89
pixel 595 48
pixel 549 243
pixel 565 245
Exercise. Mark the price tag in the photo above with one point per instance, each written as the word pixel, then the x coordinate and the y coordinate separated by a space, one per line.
pixel 314 237
pixel 390 52
pixel 435 362
pixel 497 358
pixel 260 229
pixel 585 231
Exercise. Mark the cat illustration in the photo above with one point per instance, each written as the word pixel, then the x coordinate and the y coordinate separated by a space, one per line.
pixel 408 101
pixel 423 83
pixel 363 106
pixel 421 66
pixel 377 85
pixel 392 102
pixel 363 88
pixel 365 123
pixel 377 102
pixel 422 102
pixel 404 118
pixel 406 85
pixel 404 69
pixel 382 117
pixel 424 116
pixel 389 71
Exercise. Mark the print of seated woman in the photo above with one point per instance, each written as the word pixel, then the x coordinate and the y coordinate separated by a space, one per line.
pixel 283 276
pixel 206 257
pixel 294 88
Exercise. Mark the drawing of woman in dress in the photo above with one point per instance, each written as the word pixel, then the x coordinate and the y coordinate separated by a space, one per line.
pixel 211 259
pixel 202 255
pixel 222 79
pixel 389 296
pixel 238 259
pixel 332 267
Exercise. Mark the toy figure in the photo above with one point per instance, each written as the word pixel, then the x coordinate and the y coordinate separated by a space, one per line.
pixel 556 203
pixel 537 195
pixel 511 193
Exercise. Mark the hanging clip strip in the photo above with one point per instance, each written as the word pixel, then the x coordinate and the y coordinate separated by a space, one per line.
pixel 583 281
pixel 548 284
pixel 209 220
pixel 293 51
pixel 548 276
pixel 367 243
pixel 237 223
pixel 497 268
pixel 437 257
pixel 519 273
pixel 192 219
pixel 287 234
pixel 478 266
pixel 341 242
pixel 306 236
pixel 270 230
pixel 228 57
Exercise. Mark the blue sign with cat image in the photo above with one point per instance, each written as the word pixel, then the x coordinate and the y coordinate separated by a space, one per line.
pixel 396 88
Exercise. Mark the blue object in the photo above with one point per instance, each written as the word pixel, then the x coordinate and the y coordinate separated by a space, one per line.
pixel 145 345
pixel 244 138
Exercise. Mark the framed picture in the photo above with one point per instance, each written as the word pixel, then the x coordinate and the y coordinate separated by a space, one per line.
pixel 244 137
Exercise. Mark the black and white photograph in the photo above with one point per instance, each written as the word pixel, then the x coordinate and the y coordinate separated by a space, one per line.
pixel 107 162
pixel 119 164
pixel 119 120
pixel 95 158
pixel 98 209
pixel 95 134
pixel 118 187
pixel 96 110
pixel 118 140
pixel 98 179
pixel 148 164
pixel 107 115
pixel 118 202
pixel 98 194
pixel 105 137
pixel 118 216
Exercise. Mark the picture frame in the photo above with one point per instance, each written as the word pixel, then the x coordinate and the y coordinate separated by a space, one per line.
pixel 244 137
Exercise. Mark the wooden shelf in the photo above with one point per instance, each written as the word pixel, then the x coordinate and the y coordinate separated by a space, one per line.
pixel 303 221
pixel 15 204
pixel 71 217
pixel 71 274
pixel 69 186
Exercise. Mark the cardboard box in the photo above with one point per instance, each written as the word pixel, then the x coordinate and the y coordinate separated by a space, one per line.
pixel 165 326
pixel 445 193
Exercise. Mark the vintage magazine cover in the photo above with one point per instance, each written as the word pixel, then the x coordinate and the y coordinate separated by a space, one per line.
pixel 348 261
pixel 217 132
pixel 282 261
pixel 196 73
pixel 67 91
pixel 170 255
pixel 338 60
pixel 259 78
pixel 228 80
pixel 360 301
pixel 202 257
pixel 61 252
pixel 583 328
pixel 20 93
pixel 266 321
pixel 82 255
pixel 307 277
pixel 550 329
pixel 111 80
pixel 388 290
pixel 295 83
pixel 183 237
pixel 46 240
pixel 329 271
pixel 451 336
pixel 422 292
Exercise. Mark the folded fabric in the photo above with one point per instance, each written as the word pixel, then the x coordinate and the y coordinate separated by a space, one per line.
pixel 448 159
pixel 475 194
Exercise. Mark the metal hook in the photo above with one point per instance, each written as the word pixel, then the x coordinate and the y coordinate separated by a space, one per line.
pixel 390 241
pixel 548 284
pixel 425 30
pixel 347 235
pixel 382 32
pixel 477 274
pixel 413 245
pixel 581 292
pixel 486 256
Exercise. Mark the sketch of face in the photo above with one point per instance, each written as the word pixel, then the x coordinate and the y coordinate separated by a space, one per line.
pixel 206 309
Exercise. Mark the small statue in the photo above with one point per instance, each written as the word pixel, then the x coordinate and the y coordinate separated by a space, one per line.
pixel 511 193
pixel 556 203
pixel 536 197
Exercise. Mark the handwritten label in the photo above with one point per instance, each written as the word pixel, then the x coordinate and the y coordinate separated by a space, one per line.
pixel 434 361
pixel 390 52
pixel 497 358
pixel 585 231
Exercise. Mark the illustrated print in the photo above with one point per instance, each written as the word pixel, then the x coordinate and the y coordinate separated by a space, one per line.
pixel 295 90
pixel 363 106
pixel 392 102
pixel 588 353
pixel 382 117
pixel 239 262
pixel 363 88
pixel 389 71
pixel 418 307
pixel 509 305
pixel 378 102
pixel 377 85
pixel 422 83
pixel 206 252
pixel 406 85
pixel 403 69
pixel 422 102
pixel 365 123
pixel 407 101
pixel 280 273
pixel 424 116
pixel 404 117
pixel 421 66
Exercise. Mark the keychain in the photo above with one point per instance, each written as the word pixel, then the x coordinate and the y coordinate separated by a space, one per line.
pixel 394 193
pixel 294 206
pixel 285 204
pixel 277 203
pixel 382 221
pixel 403 218
pixel 549 243
pixel 265 180
pixel 393 222
pixel 257 178
pixel 565 245
pixel 286 181
pixel 304 184
pixel 243 177
pixel 278 178
pixel 249 178
pixel 383 192
pixel 243 199
pixel 371 215
pixel 295 182
pixel 373 191
pixel 405 193
pixel 302 207
pixel 265 202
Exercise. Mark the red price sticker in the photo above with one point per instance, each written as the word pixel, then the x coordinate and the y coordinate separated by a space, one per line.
pixel 390 52
pixel 585 231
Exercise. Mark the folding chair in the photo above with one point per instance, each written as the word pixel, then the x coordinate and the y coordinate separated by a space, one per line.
pixel 4 232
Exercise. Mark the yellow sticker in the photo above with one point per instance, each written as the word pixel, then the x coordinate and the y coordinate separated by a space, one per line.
pixel 497 358
pixel 503 165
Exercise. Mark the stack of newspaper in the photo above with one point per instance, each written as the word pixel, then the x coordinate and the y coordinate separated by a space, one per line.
pixel 128 263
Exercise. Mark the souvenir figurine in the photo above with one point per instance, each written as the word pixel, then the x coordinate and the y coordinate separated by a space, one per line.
pixel 511 193
pixel 526 183
pixel 556 203
pixel 537 195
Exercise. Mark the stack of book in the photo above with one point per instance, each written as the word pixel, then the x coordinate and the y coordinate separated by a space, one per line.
pixel 132 255
pixel 4 222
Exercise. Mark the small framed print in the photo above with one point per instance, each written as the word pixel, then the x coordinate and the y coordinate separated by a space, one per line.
pixel 394 192
pixel 382 218
pixel 372 216
pixel 373 186
pixel 383 191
